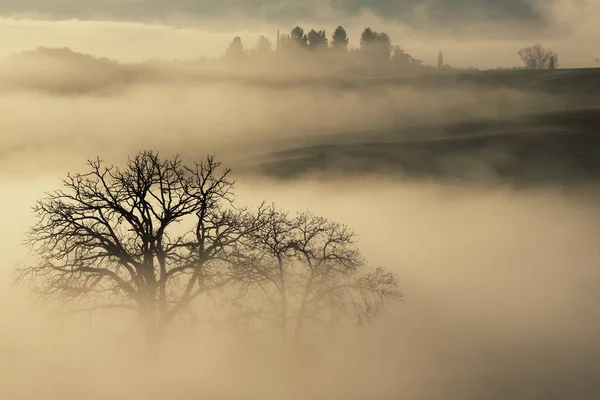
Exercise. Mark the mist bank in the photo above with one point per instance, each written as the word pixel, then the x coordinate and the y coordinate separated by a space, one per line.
pixel 501 284
pixel 516 127
pixel 61 71
pixel 501 290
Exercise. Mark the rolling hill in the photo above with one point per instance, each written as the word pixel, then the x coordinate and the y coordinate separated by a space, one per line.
pixel 547 148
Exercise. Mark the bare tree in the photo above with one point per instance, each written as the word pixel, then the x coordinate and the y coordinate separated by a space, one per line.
pixel 150 237
pixel 538 57
pixel 306 272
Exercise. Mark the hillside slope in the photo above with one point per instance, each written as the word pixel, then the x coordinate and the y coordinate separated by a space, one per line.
pixel 558 147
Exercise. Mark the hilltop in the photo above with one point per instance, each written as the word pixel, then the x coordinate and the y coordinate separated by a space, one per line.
pixel 65 71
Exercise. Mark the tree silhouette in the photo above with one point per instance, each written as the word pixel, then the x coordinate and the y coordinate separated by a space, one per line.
pixel 284 43
pixel 538 57
pixel 317 40
pixel 235 51
pixel 375 50
pixel 339 39
pixel 154 235
pixel 263 47
pixel 299 37
pixel 150 237
pixel 400 57
pixel 367 36
pixel 376 46
pixel 305 272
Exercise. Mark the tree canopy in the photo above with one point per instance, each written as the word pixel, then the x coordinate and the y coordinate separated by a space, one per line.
pixel 538 57
pixel 235 51
pixel 263 45
pixel 376 50
pixel 156 234
pixel 306 270
pixel 150 237
pixel 317 40
pixel 339 39
pixel 377 46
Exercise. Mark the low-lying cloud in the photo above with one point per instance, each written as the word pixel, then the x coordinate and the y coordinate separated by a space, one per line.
pixel 83 106
pixel 501 292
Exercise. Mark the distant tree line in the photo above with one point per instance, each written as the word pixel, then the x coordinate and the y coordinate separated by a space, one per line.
pixel 375 49
pixel 297 49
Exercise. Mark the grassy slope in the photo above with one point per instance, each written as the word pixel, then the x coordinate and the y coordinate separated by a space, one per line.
pixel 558 147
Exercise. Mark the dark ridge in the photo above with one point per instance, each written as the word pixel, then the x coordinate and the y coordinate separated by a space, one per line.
pixel 551 148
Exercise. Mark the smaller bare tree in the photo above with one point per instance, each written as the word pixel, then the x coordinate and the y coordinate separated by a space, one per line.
pixel 306 272
pixel 538 57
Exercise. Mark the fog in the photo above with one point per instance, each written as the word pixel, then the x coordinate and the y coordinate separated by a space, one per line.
pixel 222 117
pixel 501 296
pixel 501 284
pixel 481 34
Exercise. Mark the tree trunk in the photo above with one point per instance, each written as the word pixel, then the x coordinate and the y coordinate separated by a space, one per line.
pixel 152 332
pixel 153 342
pixel 302 311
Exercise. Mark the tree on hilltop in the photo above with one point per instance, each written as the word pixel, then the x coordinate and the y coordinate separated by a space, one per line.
pixel 339 39
pixel 376 46
pixel 538 57
pixel 235 51
pixel 298 36
pixel 317 40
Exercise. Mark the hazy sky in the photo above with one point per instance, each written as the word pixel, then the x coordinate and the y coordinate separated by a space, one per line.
pixel 479 33
pixel 441 11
